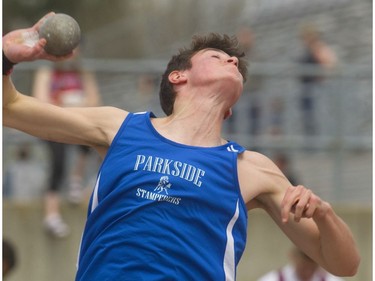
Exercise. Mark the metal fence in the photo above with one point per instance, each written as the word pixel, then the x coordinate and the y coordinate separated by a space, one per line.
pixel 326 134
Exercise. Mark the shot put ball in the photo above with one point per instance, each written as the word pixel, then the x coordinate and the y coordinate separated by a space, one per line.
pixel 62 33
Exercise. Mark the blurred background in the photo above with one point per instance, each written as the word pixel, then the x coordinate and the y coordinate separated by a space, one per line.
pixel 307 105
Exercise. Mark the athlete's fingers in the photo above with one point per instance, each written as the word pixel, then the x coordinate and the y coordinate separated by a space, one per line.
pixel 296 201
pixel 291 197
pixel 314 203
pixel 302 205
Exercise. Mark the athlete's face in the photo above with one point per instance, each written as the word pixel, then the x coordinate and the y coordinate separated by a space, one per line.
pixel 212 66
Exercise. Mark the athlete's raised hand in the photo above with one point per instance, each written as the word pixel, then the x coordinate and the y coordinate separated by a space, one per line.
pixel 25 45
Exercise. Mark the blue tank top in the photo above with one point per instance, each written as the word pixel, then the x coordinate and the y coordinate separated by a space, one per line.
pixel 162 210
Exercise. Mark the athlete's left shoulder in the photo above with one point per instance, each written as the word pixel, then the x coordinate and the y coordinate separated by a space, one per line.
pixel 255 158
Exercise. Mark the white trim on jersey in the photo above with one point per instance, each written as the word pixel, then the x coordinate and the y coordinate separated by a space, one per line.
pixel 95 202
pixel 93 206
pixel 229 262
pixel 232 149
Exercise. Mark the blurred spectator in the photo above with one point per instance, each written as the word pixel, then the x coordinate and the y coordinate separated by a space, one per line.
pixel 300 268
pixel 66 84
pixel 246 39
pixel 276 116
pixel 24 176
pixel 146 87
pixel 9 257
pixel 282 161
pixel 316 54
pixel 147 93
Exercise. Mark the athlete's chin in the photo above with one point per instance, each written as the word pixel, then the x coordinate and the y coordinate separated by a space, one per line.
pixel 229 83
pixel 237 84
pixel 236 88
pixel 234 94
pixel 237 79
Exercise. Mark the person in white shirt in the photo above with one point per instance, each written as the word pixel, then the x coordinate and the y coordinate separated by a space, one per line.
pixel 300 268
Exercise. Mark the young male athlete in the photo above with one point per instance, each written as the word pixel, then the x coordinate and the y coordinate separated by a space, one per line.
pixel 172 195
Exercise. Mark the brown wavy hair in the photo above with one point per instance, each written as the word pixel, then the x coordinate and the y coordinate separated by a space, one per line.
pixel 182 61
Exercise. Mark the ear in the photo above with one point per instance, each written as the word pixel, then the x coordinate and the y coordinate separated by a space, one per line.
pixel 177 77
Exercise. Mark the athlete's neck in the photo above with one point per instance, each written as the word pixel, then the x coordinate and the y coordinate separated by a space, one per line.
pixel 191 127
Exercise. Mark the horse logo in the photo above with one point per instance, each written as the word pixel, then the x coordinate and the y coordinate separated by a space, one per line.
pixel 163 185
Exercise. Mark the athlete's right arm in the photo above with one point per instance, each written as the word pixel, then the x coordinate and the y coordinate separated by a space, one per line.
pixel 93 126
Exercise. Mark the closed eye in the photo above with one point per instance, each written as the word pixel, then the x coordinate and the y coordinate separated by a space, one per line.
pixel 216 56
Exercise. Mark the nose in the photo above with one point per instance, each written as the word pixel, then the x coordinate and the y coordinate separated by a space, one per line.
pixel 233 60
